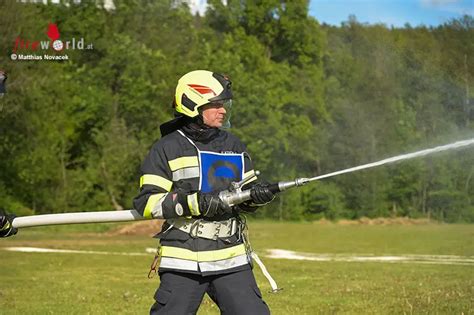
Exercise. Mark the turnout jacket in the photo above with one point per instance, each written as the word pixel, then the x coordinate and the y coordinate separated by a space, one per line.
pixel 180 164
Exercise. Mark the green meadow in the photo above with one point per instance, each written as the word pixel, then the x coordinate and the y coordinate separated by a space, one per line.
pixel 79 283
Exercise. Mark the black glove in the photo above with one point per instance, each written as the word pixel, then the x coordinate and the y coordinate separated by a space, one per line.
pixel 210 205
pixel 261 194
pixel 6 224
pixel 3 78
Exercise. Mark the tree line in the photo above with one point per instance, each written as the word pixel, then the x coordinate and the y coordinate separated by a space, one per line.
pixel 309 99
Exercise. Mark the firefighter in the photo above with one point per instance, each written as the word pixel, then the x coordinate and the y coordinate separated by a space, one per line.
pixel 3 79
pixel 203 244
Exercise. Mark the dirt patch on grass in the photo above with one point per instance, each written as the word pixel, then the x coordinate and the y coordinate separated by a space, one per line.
pixel 380 221
pixel 148 227
pixel 421 259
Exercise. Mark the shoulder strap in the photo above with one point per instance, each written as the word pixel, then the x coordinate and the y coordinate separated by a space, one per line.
pixel 190 141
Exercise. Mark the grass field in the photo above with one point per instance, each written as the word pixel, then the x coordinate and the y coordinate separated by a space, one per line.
pixel 67 283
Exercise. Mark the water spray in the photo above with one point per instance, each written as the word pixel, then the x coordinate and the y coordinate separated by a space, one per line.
pixel 236 197
pixel 233 196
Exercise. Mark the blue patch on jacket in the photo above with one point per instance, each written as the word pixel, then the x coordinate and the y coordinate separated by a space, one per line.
pixel 219 170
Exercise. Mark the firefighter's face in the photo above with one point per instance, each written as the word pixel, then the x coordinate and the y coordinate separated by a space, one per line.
pixel 214 115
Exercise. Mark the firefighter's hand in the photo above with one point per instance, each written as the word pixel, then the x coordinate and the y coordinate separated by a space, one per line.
pixel 6 224
pixel 261 194
pixel 210 205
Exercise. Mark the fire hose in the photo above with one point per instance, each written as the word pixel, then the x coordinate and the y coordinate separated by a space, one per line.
pixel 233 196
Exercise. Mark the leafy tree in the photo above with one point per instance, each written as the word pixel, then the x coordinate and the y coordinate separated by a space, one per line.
pixel 309 99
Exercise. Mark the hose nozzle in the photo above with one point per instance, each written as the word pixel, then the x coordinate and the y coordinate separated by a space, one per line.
pixel 282 186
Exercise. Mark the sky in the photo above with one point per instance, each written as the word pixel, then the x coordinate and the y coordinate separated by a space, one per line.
pixel 390 12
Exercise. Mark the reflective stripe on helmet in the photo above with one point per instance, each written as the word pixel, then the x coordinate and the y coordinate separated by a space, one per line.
pixel 211 255
pixel 150 179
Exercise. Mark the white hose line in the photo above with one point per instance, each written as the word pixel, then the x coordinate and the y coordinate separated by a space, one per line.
pixel 77 218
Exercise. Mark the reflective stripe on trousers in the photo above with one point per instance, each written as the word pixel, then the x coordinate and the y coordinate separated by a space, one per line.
pixel 205 266
pixel 200 256
pixel 204 261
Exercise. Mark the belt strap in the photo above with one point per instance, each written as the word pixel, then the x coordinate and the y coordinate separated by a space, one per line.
pixel 205 229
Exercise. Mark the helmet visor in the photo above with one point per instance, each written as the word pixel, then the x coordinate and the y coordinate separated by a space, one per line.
pixel 227 104
pixel 225 119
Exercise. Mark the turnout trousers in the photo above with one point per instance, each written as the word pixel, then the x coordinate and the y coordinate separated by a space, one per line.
pixel 234 293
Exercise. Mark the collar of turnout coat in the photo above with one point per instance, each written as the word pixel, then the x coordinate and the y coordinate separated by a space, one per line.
pixel 193 128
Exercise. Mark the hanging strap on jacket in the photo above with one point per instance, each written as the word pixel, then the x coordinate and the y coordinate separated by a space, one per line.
pixel 251 254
